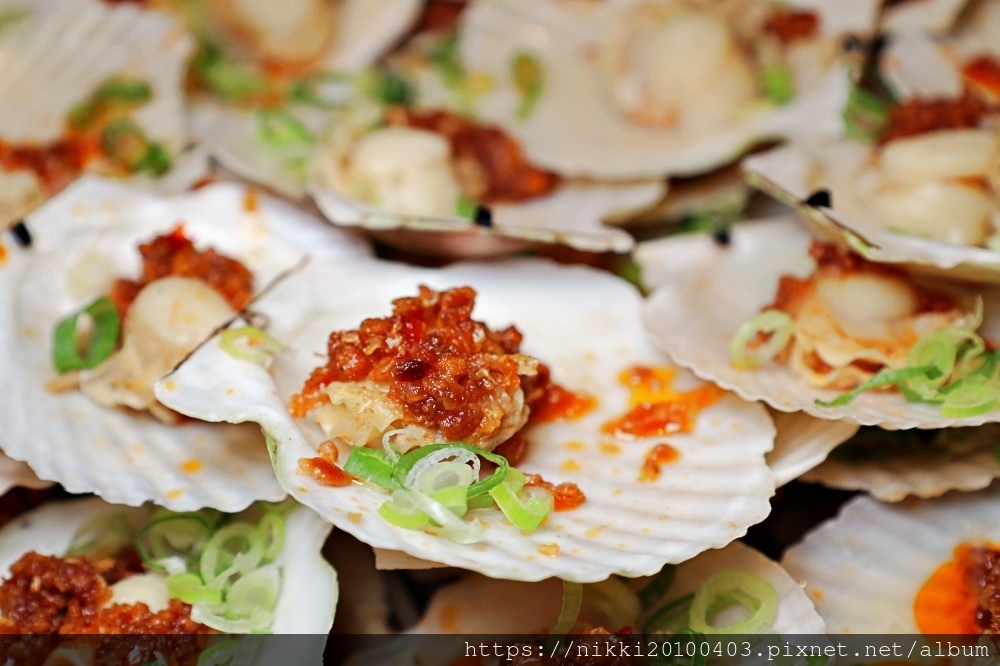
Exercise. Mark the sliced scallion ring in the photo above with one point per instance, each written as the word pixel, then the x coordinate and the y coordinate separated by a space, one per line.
pixel 191 589
pixel 616 600
pixel 371 465
pixel 440 474
pixel 529 79
pixel 249 343
pixel 455 498
pixel 526 516
pixel 103 536
pixel 280 129
pixel 887 377
pixel 780 327
pixel 762 605
pixel 67 354
pixel 671 618
pixel 272 532
pixel 407 461
pixel 235 549
pixel 572 600
pixel 970 398
pixel 403 513
pixel 169 543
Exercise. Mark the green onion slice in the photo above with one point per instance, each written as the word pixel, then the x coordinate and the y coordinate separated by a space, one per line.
pixel 970 398
pixel 465 207
pixel 525 515
pixel 404 514
pixel 730 587
pixel 103 536
pixel 572 600
pixel 280 129
pixel 67 354
pixel 886 377
pixel 169 543
pixel 249 343
pixel 448 524
pixel 778 324
pixel 671 618
pixel 529 78
pixel 191 589
pixel 778 83
pixel 272 533
pixel 937 350
pixel 237 548
pixel 233 619
pixel 371 465
pixel 616 600
pixel 865 116
pixel 455 498
pixel 220 654
pixel 409 460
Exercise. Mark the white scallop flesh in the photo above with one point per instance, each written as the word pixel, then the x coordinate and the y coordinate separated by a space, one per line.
pixel 944 154
pixel 406 171
pixel 942 210
pixel 168 319
pixel 865 304
pixel 149 589
pixel 656 82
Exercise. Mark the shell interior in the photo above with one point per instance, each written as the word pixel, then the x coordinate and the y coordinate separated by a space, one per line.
pixel 718 288
pixel 864 568
pixel 49 530
pixel 574 101
pixel 83 239
pixel 717 488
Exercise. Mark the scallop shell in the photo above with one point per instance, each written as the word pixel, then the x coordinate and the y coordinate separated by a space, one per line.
pixel 788 173
pixel 53 59
pixel 476 605
pixel 694 317
pixel 14 474
pixel 913 66
pixel 573 104
pixel 368 28
pixel 718 487
pixel 49 530
pixel 863 568
pixel 922 16
pixel 82 239
pixel 897 478
pixel 480 605
pixel 571 215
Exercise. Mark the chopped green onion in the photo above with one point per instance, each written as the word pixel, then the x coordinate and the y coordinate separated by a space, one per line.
pixel 404 514
pixel 232 619
pixel 119 89
pixel 282 507
pixel 224 78
pixel 778 324
pixel 220 654
pixel 572 600
pixel 235 549
pixel 103 536
pixel 386 87
pixel 659 586
pixel 445 59
pixel 272 532
pixel 886 377
pixel 249 343
pixel 371 465
pixel 671 618
pixel 937 350
pixel 455 498
pixel 735 587
pixel 970 398
pixel 157 160
pixel 169 543
pixel 778 83
pixel 526 516
pixel 865 116
pixel 444 476
pixel 191 589
pixel 529 78
pixel 67 354
pixel 126 144
pixel 465 207
pixel 280 129
pixel 407 461
pixel 258 588
pixel 448 524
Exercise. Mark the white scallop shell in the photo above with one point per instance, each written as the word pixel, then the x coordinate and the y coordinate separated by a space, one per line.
pixel 864 568
pixel 14 474
pixel 49 530
pixel 913 66
pixel 54 58
pixel 894 479
pixel 694 317
pixel 576 132
pixel 922 16
pixel 82 239
pixel 573 214
pixel 368 28
pixel 480 605
pixel 585 325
